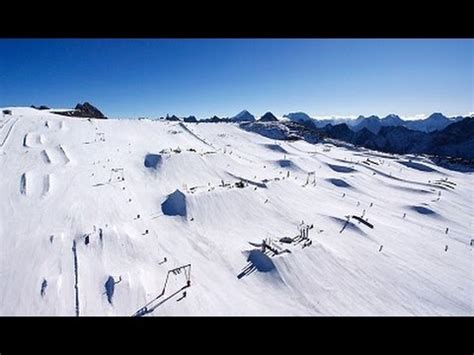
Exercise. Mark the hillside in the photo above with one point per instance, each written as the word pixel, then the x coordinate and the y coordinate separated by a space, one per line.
pixel 95 213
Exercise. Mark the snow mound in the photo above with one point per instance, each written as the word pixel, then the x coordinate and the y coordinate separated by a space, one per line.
pixel 422 210
pixel 275 148
pixel 411 189
pixel 175 204
pixel 153 161
pixel 418 166
pixel 110 288
pixel 347 225
pixel 287 164
pixel 341 168
pixel 339 183
pixel 261 261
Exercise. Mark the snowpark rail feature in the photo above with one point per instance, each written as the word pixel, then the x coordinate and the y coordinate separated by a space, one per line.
pixel 260 259
pixel 76 279
pixel 157 301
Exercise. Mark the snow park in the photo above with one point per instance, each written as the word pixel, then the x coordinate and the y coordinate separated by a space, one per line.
pixel 197 188
pixel 162 217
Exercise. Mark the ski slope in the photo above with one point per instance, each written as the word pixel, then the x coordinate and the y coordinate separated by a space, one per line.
pixel 87 228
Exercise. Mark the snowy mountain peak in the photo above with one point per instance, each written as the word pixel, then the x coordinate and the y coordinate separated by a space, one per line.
pixel 243 116
pixel 298 117
pixel 392 120
pixel 372 123
pixel 268 117
pixel 437 116
pixel 435 122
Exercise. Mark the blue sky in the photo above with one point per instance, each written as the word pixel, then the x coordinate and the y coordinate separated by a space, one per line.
pixel 203 77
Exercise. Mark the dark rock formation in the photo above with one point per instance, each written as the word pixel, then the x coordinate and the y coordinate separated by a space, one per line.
pixel 42 107
pixel 268 117
pixel 83 110
pixel 87 110
pixel 172 118
pixel 455 142
pixel 190 119
pixel 215 119
pixel 243 116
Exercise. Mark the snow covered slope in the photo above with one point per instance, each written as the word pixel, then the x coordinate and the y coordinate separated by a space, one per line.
pixel 94 213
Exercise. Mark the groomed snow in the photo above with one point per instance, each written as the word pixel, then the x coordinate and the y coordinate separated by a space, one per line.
pixel 66 181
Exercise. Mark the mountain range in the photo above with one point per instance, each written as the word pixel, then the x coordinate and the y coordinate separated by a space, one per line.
pixel 435 122
pixel 454 141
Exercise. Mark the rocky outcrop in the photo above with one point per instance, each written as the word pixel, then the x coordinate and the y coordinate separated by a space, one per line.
pixel 243 116
pixel 190 119
pixel 215 119
pixel 42 107
pixel 85 110
pixel 172 118
pixel 268 117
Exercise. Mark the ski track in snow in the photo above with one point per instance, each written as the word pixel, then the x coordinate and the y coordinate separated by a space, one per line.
pixel 64 156
pixel 101 198
pixel 45 155
pixel 7 128
pixel 46 184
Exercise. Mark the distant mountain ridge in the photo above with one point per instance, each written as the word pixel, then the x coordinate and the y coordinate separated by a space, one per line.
pixel 243 116
pixel 435 122
pixel 268 117
pixel 455 141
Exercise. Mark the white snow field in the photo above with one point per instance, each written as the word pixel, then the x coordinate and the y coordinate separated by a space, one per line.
pixel 88 228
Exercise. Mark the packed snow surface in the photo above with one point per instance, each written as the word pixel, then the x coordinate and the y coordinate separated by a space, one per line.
pixel 98 216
